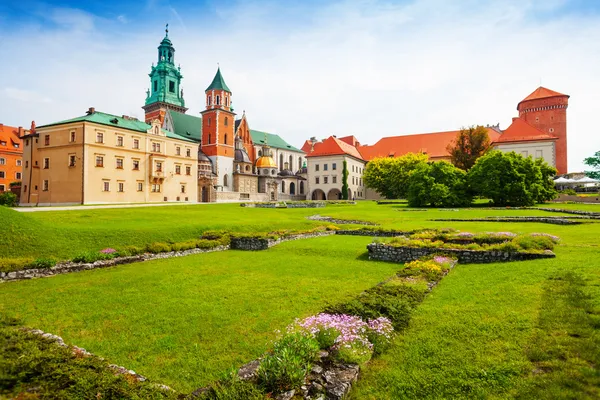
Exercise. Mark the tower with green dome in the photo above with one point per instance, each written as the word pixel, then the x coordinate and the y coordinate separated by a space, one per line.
pixel 165 91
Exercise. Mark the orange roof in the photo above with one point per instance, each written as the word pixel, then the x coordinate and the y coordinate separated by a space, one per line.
pixel 521 131
pixel 433 144
pixel 9 137
pixel 306 146
pixel 333 146
pixel 541 93
pixel 351 140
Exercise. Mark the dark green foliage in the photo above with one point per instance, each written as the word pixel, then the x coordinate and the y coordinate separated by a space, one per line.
pixel 232 387
pixel 593 162
pixel 286 366
pixel 438 184
pixel 92 256
pixel 36 368
pixel 470 144
pixel 345 181
pixel 395 302
pixel 42 262
pixel 570 192
pixel 8 199
pixel 326 337
pixel 509 179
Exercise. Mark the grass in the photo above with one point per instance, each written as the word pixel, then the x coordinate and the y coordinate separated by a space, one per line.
pixel 482 333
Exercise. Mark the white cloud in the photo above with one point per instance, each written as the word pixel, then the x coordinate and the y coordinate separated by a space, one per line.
pixel 26 96
pixel 366 68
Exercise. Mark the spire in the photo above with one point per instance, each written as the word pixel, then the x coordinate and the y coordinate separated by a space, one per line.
pixel 218 82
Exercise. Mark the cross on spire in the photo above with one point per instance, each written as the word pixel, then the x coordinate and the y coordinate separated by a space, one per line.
pixel 167 30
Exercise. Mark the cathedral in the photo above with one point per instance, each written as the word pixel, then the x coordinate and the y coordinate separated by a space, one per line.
pixel 234 162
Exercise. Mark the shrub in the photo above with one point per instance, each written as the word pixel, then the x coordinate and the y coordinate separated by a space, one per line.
pixel 15 264
pixel 132 250
pixel 8 199
pixel 379 333
pixel 570 192
pixel 182 246
pixel 286 366
pixel 42 263
pixel 429 269
pixel 438 184
pixel 93 256
pixel 232 388
pixel 355 351
pixel 158 247
pixel 530 242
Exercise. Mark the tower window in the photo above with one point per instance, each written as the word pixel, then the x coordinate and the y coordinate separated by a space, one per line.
pixel 209 136
pixel 225 138
pixel 226 121
pixel 218 100
pixel 208 100
pixel 155 86
pixel 171 86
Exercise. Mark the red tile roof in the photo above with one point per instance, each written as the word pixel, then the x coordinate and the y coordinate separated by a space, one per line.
pixel 332 146
pixel 521 131
pixel 433 144
pixel 306 146
pixel 541 93
pixel 351 140
pixel 9 135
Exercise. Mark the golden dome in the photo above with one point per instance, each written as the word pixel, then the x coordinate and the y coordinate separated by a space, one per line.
pixel 265 162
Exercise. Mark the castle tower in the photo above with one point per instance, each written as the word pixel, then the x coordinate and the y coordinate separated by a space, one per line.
pixel 218 127
pixel 546 110
pixel 165 91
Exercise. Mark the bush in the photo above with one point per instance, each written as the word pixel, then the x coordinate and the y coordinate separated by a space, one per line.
pixel 438 184
pixel 530 242
pixel 40 263
pixel 233 388
pixel 429 269
pixel 8 199
pixel 286 366
pixel 15 264
pixel 570 192
pixel 158 247
pixel 92 256
pixel 354 352
pixel 131 251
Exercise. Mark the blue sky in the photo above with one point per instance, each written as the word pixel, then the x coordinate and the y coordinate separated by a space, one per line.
pixel 371 68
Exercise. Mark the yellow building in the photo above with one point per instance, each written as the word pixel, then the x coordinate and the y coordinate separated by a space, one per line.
pixel 101 158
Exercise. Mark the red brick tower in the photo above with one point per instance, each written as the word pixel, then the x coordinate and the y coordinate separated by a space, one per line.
pixel 218 120
pixel 547 110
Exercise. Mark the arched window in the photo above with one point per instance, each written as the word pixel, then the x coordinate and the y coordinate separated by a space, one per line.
pixel 291 166
pixel 208 100
pixel 282 187
pixel 225 137
pixel 292 188
pixel 281 162
pixel 227 101
pixel 225 183
pixel 299 162
pixel 260 153
pixel 301 187
pixel 226 121
pixel 247 168
pixel 218 100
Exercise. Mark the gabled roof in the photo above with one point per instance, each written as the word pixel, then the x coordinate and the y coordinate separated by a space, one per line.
pixel 541 93
pixel 187 126
pixel 273 140
pixel 333 146
pixel 306 146
pixel 433 144
pixel 218 82
pixel 351 140
pixel 9 135
pixel 521 131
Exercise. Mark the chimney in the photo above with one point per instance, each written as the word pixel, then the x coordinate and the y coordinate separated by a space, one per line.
pixel 90 111
pixel 32 127
pixel 514 119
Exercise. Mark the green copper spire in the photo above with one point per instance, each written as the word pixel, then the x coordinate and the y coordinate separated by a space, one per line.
pixel 218 83
pixel 165 77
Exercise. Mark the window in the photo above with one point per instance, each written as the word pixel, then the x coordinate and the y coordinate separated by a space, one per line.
pixel 182 188
pixel 225 178
pixel 26 164
pixel 208 100
pixel 106 186
pixel 47 140
pixel 72 160
pixel 353 168
pixel 136 143
pixel 2 161
pixel 46 163
pixel 156 147
pixel 178 169
pixel 334 179
pixel 27 142
pixel 120 141
pixel 72 137
pixel 209 135
pixel 2 174
pixel 208 121
pixel 188 170
pixel 171 86
pixel 226 122
pixel 188 152
pixel 178 150
pixel 99 161
pixel 334 166
pixel 538 154
pixel 119 163
pixel 99 137
pixel 225 141
pixel 524 153
pixel 316 167
pixel 158 166
pixel 140 186
pixel 19 163
pixel 218 100
pixel 16 145
pixel 155 188
pixel 353 180
pixel 317 180
pixel 136 165
pixel 325 179
pixel 25 188
pixel 45 185
pixel 121 187
pixel 324 167
pixel 155 86
pixel 2 188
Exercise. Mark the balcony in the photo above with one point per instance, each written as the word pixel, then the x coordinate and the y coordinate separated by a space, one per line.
pixel 157 176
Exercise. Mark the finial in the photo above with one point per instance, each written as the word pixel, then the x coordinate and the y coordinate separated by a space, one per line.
pixel 167 30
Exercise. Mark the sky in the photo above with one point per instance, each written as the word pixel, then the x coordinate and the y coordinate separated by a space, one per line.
pixel 369 68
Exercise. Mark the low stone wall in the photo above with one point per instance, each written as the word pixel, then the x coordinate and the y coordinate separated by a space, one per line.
pixel 577 199
pixel 339 221
pixel 359 232
pixel 543 220
pixel 384 252
pixel 565 211
pixel 66 267
pixel 260 243
pixel 283 204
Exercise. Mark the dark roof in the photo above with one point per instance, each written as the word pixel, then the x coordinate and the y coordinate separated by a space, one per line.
pixel 242 156
pixel 286 172
pixel 218 82
pixel 237 123
pixel 188 126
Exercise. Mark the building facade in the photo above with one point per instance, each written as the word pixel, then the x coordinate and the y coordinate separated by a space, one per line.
pixel 102 158
pixel 11 156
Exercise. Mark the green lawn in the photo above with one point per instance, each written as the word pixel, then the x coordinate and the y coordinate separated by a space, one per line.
pixel 487 331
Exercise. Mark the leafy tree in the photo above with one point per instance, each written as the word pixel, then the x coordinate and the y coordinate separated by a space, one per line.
pixel 389 176
pixel 470 144
pixel 593 162
pixel 511 179
pixel 8 199
pixel 345 181
pixel 438 184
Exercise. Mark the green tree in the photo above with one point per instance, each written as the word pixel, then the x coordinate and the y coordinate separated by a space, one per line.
pixel 593 162
pixel 345 180
pixel 438 184
pixel 470 144
pixel 389 176
pixel 509 179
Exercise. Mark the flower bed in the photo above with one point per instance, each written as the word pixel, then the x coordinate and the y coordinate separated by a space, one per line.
pixel 339 221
